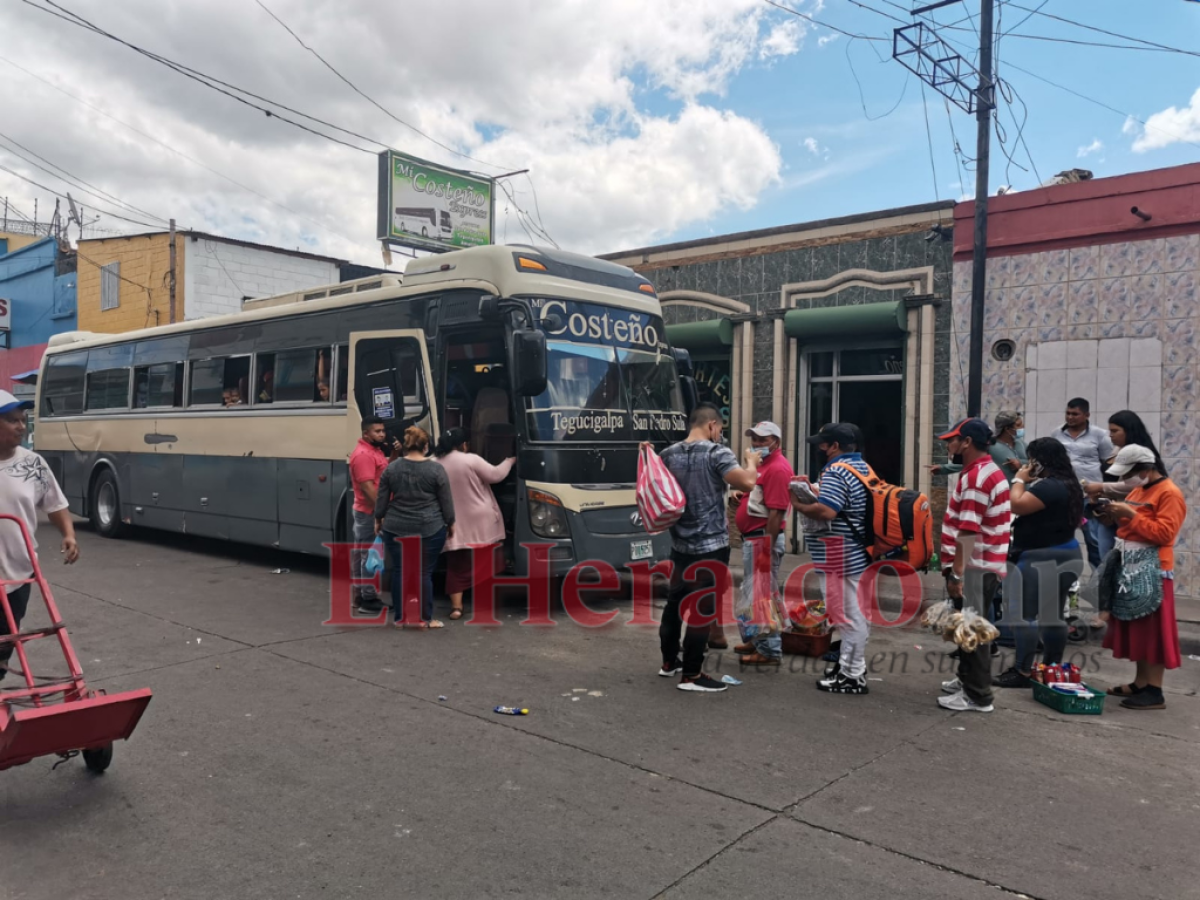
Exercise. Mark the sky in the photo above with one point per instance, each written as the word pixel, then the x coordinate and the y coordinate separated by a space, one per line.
pixel 641 121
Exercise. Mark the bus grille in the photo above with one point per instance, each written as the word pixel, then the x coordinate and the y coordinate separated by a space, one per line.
pixel 613 520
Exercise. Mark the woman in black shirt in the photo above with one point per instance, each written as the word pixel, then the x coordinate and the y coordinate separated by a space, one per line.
pixel 1047 500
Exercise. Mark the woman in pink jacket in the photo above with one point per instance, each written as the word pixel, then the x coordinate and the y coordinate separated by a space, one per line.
pixel 479 523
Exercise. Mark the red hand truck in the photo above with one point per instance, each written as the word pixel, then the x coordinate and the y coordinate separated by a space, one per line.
pixel 62 717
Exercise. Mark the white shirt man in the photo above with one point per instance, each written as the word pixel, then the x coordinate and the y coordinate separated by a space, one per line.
pixel 26 486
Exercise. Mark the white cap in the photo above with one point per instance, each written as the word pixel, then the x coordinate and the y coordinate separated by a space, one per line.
pixel 765 429
pixel 8 403
pixel 1129 456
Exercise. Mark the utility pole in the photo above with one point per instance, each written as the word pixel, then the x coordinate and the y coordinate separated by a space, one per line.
pixel 918 48
pixel 171 285
pixel 985 103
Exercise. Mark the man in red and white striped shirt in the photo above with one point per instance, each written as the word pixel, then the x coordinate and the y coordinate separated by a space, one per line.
pixel 975 536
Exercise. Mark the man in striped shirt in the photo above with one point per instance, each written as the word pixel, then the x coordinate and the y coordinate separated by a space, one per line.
pixel 840 554
pixel 975 537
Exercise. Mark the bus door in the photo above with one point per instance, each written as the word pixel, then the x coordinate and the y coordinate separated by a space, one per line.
pixel 390 378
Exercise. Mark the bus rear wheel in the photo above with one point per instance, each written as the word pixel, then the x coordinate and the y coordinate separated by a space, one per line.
pixel 105 505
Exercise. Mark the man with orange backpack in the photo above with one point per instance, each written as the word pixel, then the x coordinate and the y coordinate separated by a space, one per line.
pixel 839 554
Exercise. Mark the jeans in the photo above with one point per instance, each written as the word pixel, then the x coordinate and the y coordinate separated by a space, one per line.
pixel 1090 537
pixel 18 601
pixel 431 548
pixel 1106 537
pixel 1040 586
pixel 766 644
pixel 364 533
pixel 846 613
pixel 975 668
pixel 695 640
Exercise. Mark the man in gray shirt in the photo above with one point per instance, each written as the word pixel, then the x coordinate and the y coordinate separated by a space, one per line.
pixel 703 466
pixel 1090 449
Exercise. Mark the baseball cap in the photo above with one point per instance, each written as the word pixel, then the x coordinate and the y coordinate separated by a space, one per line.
pixel 765 429
pixel 975 429
pixel 835 433
pixel 1006 417
pixel 8 403
pixel 1129 456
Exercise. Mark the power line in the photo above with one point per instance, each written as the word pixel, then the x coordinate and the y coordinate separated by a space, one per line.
pixel 64 197
pixel 1098 30
pixel 179 153
pixel 212 82
pixel 387 112
pixel 73 180
pixel 810 19
pixel 862 99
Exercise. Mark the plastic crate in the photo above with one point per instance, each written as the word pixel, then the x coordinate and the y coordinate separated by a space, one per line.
pixel 1072 706
pixel 815 645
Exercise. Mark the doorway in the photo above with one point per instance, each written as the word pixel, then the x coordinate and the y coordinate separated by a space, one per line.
pixel 864 386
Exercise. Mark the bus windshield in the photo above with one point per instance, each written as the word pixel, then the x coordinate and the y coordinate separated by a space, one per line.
pixel 608 390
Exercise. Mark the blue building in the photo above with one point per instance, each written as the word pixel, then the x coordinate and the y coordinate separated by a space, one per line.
pixel 37 300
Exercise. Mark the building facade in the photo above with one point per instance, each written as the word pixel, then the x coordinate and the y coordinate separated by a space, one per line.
pixel 124 282
pixel 37 301
pixel 839 320
pixel 1092 292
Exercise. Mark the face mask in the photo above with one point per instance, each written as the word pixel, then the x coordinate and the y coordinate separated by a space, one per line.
pixel 1020 434
pixel 1137 481
pixel 763 452
pixel 957 459
pixel 1036 469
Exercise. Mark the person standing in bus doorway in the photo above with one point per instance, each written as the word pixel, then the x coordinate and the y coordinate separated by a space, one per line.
pixel 703 466
pixel 367 462
pixel 480 522
pixel 26 486
pixel 761 517
pixel 414 501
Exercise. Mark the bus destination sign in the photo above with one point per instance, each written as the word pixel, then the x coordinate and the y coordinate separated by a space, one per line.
pixel 432 207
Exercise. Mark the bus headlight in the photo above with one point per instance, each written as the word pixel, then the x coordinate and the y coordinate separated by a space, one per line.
pixel 547 517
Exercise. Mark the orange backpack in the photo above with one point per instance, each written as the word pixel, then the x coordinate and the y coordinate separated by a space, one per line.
pixel 899 521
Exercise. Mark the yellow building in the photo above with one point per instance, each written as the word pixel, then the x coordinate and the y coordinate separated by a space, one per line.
pixel 124 282
pixel 13 240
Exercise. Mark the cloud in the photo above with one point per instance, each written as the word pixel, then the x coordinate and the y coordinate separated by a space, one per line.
pixel 1094 147
pixel 827 39
pixel 559 88
pixel 1170 126
pixel 811 145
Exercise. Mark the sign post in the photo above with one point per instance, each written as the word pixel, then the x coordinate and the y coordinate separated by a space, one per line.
pixel 433 207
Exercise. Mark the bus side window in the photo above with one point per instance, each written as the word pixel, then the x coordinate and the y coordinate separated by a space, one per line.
pixel 108 389
pixel 62 390
pixel 219 381
pixel 160 385
pixel 294 376
pixel 264 378
pixel 343 372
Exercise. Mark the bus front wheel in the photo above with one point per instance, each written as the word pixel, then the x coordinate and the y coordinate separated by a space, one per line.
pixel 105 506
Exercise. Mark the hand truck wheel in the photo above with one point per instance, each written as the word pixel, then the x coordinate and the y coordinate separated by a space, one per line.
pixel 99 759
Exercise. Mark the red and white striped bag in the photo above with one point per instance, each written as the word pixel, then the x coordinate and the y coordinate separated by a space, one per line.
pixel 660 500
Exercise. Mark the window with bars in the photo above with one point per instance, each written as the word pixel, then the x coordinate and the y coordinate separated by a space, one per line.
pixel 110 286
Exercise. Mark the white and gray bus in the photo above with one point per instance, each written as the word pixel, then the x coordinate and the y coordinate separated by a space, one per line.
pixel 239 426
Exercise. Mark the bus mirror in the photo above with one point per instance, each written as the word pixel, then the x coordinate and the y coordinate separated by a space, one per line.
pixel 683 362
pixel 529 362
pixel 489 308
pixel 691 392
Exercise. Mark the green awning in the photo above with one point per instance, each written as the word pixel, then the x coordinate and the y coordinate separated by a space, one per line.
pixel 882 319
pixel 715 334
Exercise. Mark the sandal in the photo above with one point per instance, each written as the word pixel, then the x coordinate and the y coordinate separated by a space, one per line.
pixel 456 614
pixel 1125 690
pixel 420 626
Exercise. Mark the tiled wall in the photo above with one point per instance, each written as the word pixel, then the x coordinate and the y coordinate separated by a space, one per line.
pixel 1134 306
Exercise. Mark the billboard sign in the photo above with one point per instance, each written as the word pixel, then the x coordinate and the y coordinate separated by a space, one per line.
pixel 5 314
pixel 432 207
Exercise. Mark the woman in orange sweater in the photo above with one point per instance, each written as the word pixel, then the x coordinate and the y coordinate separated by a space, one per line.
pixel 1138 630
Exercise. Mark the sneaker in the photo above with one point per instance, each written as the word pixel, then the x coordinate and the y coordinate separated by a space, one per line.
pixel 953 686
pixel 670 671
pixel 701 683
pixel 1012 678
pixel 368 607
pixel 995 648
pixel 960 702
pixel 832 670
pixel 1147 698
pixel 841 683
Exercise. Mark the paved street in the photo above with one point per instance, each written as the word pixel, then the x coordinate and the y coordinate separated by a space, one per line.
pixel 280 758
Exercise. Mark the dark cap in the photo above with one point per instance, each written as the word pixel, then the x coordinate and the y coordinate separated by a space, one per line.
pixel 839 433
pixel 975 429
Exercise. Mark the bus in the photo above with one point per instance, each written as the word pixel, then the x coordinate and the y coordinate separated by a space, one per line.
pixel 427 221
pixel 239 426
